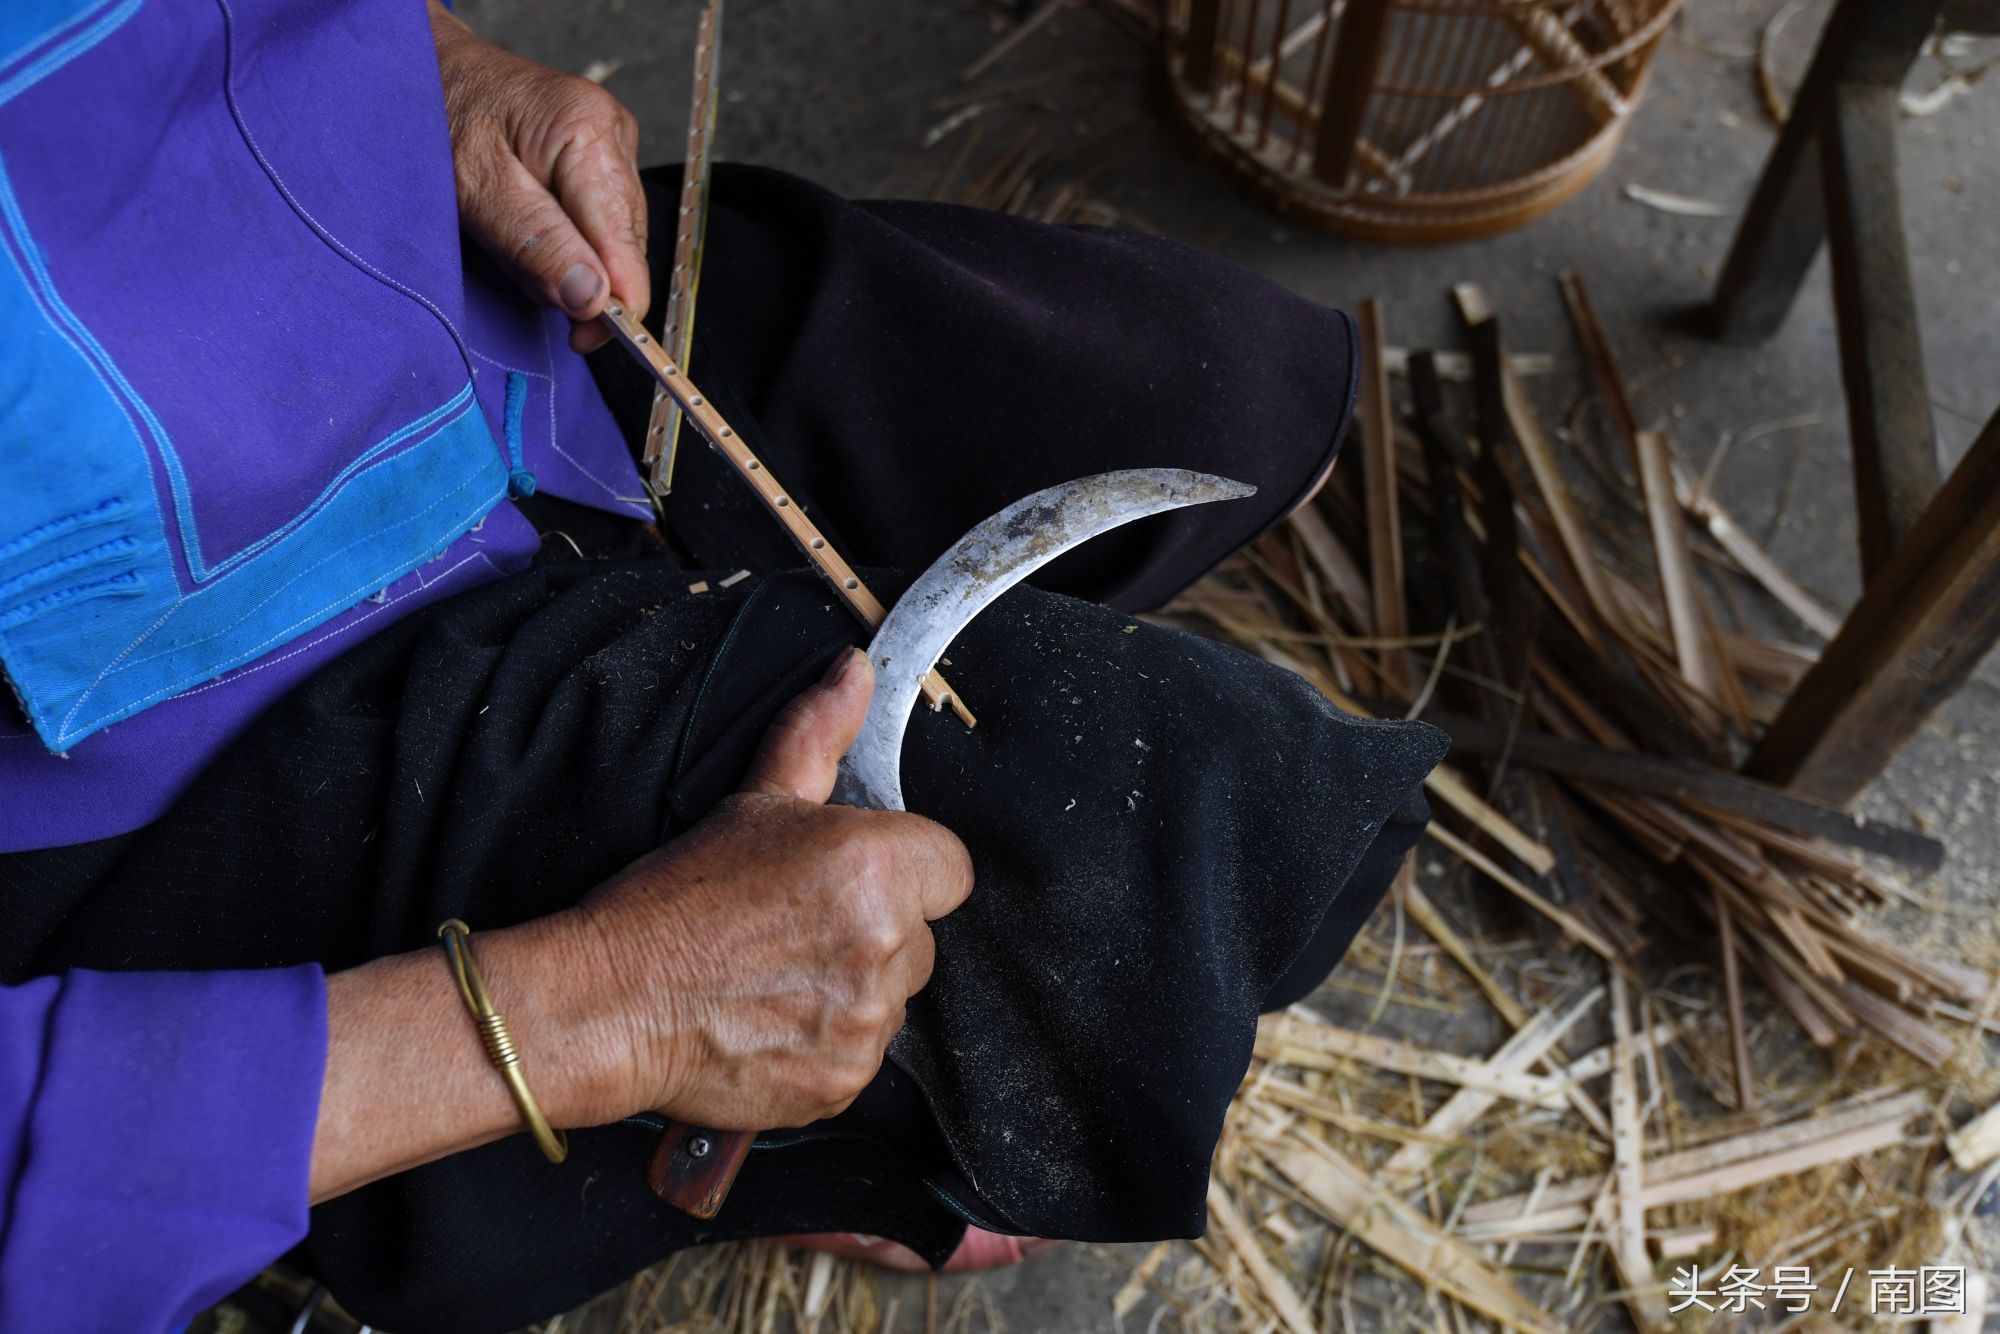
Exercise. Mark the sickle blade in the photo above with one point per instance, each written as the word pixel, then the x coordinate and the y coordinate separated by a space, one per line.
pixel 963 582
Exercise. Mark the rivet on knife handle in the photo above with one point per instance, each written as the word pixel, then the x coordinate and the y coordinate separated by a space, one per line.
pixel 693 1167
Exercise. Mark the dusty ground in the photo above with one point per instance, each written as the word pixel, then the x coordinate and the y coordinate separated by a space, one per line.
pixel 843 90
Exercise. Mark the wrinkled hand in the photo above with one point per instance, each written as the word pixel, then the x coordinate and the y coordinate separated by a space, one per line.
pixel 548 177
pixel 770 950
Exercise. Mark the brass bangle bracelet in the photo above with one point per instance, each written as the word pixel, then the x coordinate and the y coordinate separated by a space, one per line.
pixel 499 1043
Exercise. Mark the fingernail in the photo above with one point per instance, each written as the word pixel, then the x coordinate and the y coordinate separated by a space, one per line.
pixel 579 285
pixel 837 669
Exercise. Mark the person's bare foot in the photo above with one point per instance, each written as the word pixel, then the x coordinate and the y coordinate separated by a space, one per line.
pixel 980 1250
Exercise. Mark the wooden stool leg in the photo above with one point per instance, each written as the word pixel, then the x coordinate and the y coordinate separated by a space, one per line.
pixel 1864 41
pixel 1919 631
pixel 1881 345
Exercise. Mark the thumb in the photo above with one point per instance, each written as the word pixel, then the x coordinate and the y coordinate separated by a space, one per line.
pixel 801 752
pixel 527 229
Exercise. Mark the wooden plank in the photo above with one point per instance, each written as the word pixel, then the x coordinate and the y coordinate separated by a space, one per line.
pixel 812 544
pixel 1898 1025
pixel 1336 567
pixel 1541 457
pixel 1920 630
pixel 1894 448
pixel 1378 481
pixel 1398 1232
pixel 1453 535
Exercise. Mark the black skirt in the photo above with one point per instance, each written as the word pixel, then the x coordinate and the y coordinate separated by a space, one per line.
pixel 1168 835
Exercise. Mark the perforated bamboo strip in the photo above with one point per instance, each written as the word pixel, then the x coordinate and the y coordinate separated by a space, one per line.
pixel 663 425
pixel 751 469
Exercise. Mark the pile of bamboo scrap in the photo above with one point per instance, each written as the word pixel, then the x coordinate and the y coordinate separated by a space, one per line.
pixel 1599 694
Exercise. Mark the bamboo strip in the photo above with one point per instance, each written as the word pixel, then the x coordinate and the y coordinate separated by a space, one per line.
pixel 1323 1046
pixel 846 584
pixel 1378 479
pixel 661 444
pixel 1685 616
pixel 1398 1232
pixel 1569 1199
pixel 1628 1223
pixel 1977 1142
pixel 1568 921
pixel 1282 1296
pixel 1756 562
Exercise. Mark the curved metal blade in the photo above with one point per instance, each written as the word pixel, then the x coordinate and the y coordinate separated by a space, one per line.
pixel 963 582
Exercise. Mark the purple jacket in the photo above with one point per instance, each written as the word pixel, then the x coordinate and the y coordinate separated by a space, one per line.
pixel 256 403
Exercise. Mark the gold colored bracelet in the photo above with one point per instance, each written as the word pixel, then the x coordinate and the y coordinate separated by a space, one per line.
pixel 499 1043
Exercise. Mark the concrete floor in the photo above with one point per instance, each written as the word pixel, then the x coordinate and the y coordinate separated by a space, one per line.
pixel 843 90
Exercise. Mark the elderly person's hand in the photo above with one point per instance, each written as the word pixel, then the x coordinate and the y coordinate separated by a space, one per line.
pixel 748 975
pixel 548 177
pixel 768 952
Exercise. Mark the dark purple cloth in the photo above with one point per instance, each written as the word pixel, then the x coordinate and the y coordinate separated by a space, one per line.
pixel 161 163
pixel 155 1136
pixel 168 164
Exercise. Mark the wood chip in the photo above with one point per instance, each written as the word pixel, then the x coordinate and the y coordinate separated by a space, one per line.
pixel 1679 205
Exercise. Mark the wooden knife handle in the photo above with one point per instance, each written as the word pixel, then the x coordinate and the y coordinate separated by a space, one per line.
pixel 694 1167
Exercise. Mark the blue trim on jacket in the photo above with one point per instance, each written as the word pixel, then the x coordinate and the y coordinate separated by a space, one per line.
pixel 94 622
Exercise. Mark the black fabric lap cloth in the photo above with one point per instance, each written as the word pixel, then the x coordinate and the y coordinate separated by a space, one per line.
pixel 910 368
pixel 1159 826
pixel 1168 835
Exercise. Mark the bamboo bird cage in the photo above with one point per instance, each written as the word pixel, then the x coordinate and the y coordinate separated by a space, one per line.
pixel 1412 120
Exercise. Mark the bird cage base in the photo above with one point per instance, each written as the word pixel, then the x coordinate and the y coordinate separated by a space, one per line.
pixel 1412 219
pixel 1412 121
